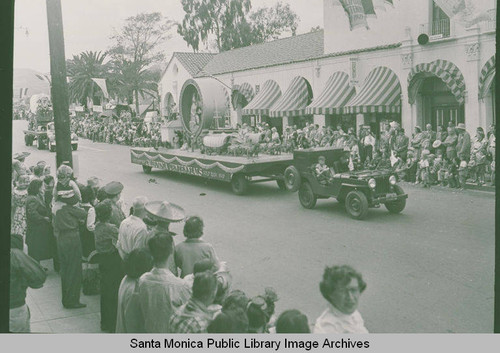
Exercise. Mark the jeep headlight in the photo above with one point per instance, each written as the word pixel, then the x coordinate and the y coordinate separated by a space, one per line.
pixel 392 180
pixel 372 183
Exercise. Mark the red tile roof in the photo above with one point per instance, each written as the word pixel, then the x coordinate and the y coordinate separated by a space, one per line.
pixel 194 62
pixel 278 52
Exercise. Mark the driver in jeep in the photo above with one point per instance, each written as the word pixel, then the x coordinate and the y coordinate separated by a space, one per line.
pixel 322 171
pixel 342 164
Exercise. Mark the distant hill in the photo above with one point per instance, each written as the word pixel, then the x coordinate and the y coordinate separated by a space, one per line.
pixel 26 78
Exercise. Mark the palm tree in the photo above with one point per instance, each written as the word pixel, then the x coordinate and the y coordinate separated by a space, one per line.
pixel 81 70
pixel 129 80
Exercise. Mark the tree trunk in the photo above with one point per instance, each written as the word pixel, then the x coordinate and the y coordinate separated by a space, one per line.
pixel 136 93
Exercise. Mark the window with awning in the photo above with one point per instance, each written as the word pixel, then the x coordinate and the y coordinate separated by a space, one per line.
pixel 380 93
pixel 264 100
pixel 336 94
pixel 294 101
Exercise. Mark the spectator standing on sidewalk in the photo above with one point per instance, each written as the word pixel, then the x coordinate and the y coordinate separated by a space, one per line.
pixel 133 232
pixel 24 272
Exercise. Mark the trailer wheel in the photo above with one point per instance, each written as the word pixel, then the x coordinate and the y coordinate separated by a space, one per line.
pixel 281 184
pixel 147 169
pixel 28 140
pixel 52 148
pixel 356 204
pixel 39 143
pixel 74 146
pixel 239 184
pixel 292 178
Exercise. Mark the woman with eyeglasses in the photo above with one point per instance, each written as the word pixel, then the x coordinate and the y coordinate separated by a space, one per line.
pixel 341 287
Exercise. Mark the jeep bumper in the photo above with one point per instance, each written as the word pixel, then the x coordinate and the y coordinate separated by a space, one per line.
pixel 388 198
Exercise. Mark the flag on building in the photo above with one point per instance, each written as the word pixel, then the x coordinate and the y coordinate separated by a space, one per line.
pixel 355 12
pixel 369 8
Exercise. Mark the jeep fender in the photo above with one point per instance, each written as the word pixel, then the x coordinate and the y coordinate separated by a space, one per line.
pixel 345 189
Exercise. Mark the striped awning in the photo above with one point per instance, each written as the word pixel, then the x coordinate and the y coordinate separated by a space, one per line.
pixel 380 93
pixel 336 94
pixel 448 72
pixel 486 77
pixel 294 101
pixel 242 95
pixel 264 100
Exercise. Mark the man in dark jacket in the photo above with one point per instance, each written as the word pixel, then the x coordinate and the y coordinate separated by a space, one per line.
pixel 67 220
pixel 24 272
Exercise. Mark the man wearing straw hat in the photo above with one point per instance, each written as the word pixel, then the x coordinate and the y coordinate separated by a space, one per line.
pixel 163 213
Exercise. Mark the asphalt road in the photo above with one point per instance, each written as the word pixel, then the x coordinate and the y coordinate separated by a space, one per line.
pixel 429 269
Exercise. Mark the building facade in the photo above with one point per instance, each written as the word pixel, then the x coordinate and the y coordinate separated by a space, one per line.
pixel 413 65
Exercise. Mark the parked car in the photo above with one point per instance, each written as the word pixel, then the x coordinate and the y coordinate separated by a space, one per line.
pixel 357 190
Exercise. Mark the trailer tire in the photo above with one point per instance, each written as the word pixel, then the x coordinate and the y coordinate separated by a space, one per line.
pixel 147 169
pixel 52 148
pixel 292 178
pixel 239 184
pixel 28 140
pixel 39 143
pixel 74 146
pixel 281 184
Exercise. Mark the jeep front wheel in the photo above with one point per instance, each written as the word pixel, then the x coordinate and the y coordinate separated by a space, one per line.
pixel 307 197
pixel 356 204
pixel 399 205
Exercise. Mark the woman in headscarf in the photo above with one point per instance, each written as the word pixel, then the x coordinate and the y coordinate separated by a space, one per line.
pixel 39 228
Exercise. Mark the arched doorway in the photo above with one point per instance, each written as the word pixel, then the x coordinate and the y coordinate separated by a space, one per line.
pixel 437 89
pixel 241 96
pixel 487 91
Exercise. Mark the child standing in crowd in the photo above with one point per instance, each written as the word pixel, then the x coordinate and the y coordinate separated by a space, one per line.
pixel 424 167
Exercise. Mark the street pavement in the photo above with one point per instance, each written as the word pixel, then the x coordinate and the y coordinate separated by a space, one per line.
pixel 429 269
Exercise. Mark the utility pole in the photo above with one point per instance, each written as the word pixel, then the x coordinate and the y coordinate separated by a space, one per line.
pixel 59 87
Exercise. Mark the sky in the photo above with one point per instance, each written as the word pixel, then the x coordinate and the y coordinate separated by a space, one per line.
pixel 89 24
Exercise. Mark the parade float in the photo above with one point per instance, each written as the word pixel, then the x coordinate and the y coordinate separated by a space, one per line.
pixel 210 148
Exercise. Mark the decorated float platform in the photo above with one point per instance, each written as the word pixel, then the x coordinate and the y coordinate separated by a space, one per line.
pixel 240 171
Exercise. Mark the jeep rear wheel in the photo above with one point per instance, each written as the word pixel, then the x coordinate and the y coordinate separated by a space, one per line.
pixel 307 197
pixel 356 204
pixel 292 178
pixel 399 205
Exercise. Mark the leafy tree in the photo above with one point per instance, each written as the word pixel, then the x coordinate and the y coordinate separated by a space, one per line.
pixel 137 47
pixel 232 25
pixel 270 23
pixel 211 17
pixel 81 69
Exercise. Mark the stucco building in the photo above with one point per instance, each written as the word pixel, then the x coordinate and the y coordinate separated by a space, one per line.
pixel 413 65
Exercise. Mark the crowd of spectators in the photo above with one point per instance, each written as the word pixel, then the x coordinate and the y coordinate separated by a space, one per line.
pixel 119 131
pixel 147 281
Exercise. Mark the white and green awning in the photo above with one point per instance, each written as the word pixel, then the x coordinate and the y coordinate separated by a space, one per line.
pixel 486 77
pixel 264 100
pixel 294 101
pixel 380 93
pixel 336 94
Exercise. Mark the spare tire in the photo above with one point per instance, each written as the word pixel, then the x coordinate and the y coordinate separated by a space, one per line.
pixel 292 178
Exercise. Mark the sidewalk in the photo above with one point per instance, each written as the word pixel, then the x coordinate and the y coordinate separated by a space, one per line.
pixel 48 314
